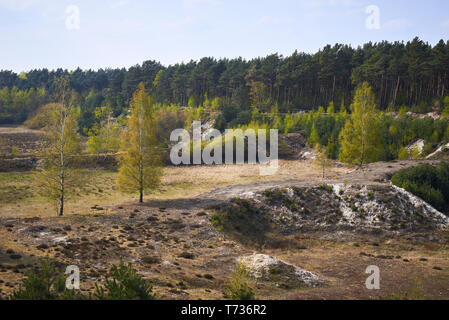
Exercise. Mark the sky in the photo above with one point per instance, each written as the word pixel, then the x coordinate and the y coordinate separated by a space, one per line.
pixel 121 33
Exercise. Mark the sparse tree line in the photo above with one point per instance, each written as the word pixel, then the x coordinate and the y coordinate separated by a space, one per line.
pixel 414 74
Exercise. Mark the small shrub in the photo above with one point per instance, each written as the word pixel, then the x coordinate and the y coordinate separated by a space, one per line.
pixel 240 286
pixel 50 284
pixel 125 284
pixel 216 222
pixel 278 194
pixel 326 187
pixel 268 194
pixel 45 284
pixel 284 149
pixel 187 255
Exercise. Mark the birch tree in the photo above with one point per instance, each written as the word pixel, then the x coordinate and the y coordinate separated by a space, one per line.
pixel 322 162
pixel 56 178
pixel 360 138
pixel 139 157
pixel 105 134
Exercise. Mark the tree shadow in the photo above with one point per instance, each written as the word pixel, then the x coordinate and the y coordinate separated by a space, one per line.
pixel 183 204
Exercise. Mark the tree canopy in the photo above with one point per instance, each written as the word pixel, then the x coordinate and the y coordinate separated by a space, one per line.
pixel 412 74
pixel 140 155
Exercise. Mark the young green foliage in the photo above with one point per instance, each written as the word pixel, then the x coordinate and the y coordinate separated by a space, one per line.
pixel 46 284
pixel 2 147
pixel 105 135
pixel 125 284
pixel 139 158
pixel 314 136
pixel 322 161
pixel 427 182
pixel 360 138
pixel 445 113
pixel 240 286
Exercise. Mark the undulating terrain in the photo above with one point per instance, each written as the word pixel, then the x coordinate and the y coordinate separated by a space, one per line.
pixel 304 237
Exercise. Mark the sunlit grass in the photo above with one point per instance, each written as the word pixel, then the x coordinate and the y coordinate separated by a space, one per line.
pixel 18 197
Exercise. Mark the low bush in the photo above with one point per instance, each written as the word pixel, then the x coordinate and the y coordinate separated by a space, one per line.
pixel 240 286
pixel 49 283
pixel 125 284
pixel 427 182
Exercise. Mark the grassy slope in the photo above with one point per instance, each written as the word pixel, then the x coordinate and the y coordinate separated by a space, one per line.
pixel 17 197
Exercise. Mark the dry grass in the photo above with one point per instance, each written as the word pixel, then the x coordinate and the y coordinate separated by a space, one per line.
pixel 343 265
pixel 18 199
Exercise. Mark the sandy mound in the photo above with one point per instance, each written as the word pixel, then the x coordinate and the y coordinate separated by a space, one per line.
pixel 266 217
pixel 268 268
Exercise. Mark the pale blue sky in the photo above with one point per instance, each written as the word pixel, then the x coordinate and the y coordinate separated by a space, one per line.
pixel 122 33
